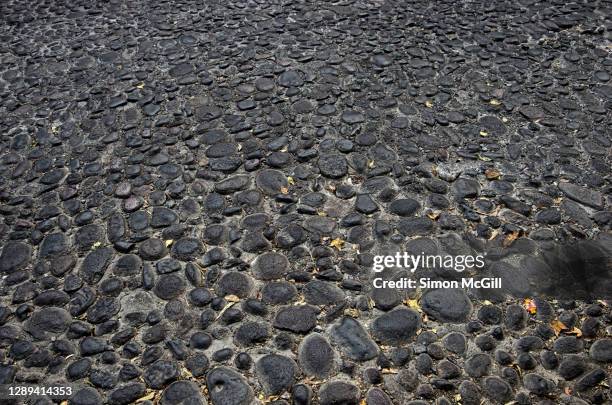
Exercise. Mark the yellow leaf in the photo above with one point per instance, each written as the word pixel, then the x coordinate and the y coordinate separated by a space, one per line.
pixel 504 119
pixel 484 158
pixel 492 173
pixel 147 397
pixel 530 306
pixel 140 86
pixel 97 244
pixel 337 243
pixel 290 180
pixel 484 133
pixel 169 242
pixel 428 104
pixel 321 213
pixel 413 303
pixel 284 190
pixel 558 326
pixel 494 102
pixel 370 164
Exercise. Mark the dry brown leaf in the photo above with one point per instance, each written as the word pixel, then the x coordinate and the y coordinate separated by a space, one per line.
pixel 567 390
pixel 511 237
pixel 352 312
pixel 558 326
pixel 433 215
pixel 232 298
pixel 284 190
pixel 530 306
pixel 575 331
pixel 491 173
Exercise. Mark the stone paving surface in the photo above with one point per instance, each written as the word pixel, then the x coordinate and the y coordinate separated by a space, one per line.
pixel 192 194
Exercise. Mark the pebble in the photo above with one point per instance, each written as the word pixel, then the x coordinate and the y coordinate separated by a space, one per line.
pixel 227 387
pixel 276 373
pixel 601 350
pixel 451 305
pixel 396 327
pixel 353 340
pixel 316 356
pixel 338 392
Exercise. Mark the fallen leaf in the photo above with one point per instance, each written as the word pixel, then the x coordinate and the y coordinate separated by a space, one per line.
pixel 284 190
pixel 352 312
pixel 140 86
pixel 290 180
pixel 491 173
pixel 428 103
pixel 97 244
pixel 225 308
pixel 568 391
pixel 169 242
pixel 511 237
pixel 484 133
pixel 337 243
pixel 413 303
pixel 484 158
pixel 530 306
pixel 575 331
pixel 495 102
pixel 558 326
pixel 232 298
pixel 147 397
pixel 433 215
pixel 504 119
